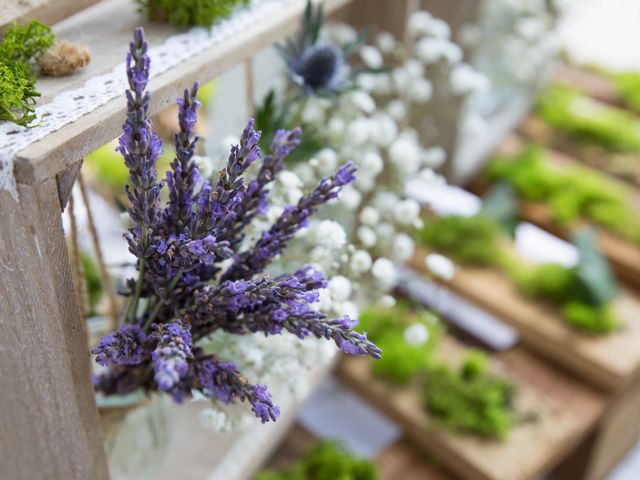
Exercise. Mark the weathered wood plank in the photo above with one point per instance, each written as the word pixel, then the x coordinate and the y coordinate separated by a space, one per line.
pixel 566 411
pixel 48 418
pixel 45 11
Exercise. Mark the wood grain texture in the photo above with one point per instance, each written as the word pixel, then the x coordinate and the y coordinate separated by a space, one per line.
pixel 45 11
pixel 108 42
pixel 48 418
pixel 566 411
pixel 623 255
pixel 610 361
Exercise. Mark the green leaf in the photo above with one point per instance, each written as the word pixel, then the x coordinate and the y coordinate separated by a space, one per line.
pixel 594 275
pixel 501 205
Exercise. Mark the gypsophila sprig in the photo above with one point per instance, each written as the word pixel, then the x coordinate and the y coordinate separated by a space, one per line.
pixel 183 293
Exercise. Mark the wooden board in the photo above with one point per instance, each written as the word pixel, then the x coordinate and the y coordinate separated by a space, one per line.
pixel 623 255
pixel 45 11
pixel 625 167
pixel 400 460
pixel 566 411
pixel 108 42
pixel 609 361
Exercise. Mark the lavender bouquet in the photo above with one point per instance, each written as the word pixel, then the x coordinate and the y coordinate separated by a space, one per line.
pixel 195 274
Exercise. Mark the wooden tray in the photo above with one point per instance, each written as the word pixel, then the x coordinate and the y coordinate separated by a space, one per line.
pixel 608 361
pixel 566 411
pixel 623 255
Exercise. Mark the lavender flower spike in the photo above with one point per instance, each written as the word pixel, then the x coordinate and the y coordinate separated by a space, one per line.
pixel 171 355
pixel 275 240
pixel 125 346
pixel 139 146
pixel 183 176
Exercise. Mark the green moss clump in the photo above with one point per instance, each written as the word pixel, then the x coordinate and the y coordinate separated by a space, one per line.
pixel 21 45
pixel 401 361
pixel 475 241
pixel 571 193
pixel 468 240
pixel 189 13
pixel 470 399
pixel 326 461
pixel 627 85
pixel 588 120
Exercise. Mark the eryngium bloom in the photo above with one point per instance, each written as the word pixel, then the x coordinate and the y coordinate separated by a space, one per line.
pixel 182 293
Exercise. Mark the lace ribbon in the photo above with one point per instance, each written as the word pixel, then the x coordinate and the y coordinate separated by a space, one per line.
pixel 73 104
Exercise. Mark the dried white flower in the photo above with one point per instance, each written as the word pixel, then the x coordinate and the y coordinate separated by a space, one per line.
pixel 434 157
pixel 420 90
pixel 363 101
pixel 440 266
pixel 384 271
pixel 367 236
pixel 371 56
pixel 327 160
pixel 372 163
pixel 360 261
pixel 369 216
pixel 340 288
pixel 403 247
pixel 416 334
pixel 406 212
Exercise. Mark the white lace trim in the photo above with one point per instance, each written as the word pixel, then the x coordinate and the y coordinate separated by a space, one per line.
pixel 73 104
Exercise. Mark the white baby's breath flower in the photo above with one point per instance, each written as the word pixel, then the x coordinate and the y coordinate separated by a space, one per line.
pixel 430 177
pixel 369 216
pixel 416 334
pixel 386 42
pixel 365 182
pixel 420 90
pixel 384 271
pixel 385 232
pixel 367 236
pixel 305 173
pixel 350 198
pixel 440 266
pixel 326 302
pixel 406 212
pixel 340 288
pixel 358 131
pixel 273 212
pixel 464 80
pixel 384 201
pixel 372 163
pixel 289 179
pixel 397 110
pixel 387 301
pixel 329 234
pixel 419 22
pixel 327 160
pixel 403 247
pixel 438 28
pixel 367 81
pixel 415 68
pixel 371 56
pixel 434 157
pixel 346 308
pixel 432 50
pixel 314 111
pixel 341 33
pixel 363 101
pixel 404 153
pixel 360 261
pixel 384 130
pixel 401 78
pixel 336 127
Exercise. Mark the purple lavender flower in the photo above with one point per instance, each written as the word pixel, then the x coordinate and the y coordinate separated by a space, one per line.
pixel 171 355
pixel 181 294
pixel 224 382
pixel 125 346
pixel 275 240
pixel 183 176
